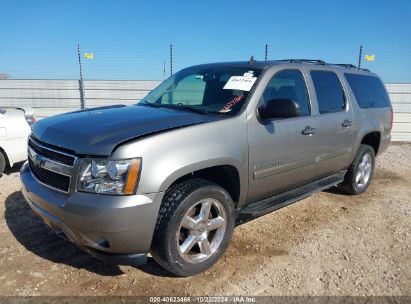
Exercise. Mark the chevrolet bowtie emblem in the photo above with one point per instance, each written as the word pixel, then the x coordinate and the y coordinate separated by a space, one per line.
pixel 38 160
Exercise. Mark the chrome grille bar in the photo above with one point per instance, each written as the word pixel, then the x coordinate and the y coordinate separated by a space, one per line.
pixel 51 167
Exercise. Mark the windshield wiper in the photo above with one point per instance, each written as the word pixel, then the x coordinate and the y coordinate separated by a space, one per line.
pixel 151 104
pixel 195 110
pixel 176 106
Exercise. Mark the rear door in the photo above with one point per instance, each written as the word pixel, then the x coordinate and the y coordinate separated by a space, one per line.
pixel 336 122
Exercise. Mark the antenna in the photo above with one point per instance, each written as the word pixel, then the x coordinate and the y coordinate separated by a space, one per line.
pixel 266 52
pixel 251 61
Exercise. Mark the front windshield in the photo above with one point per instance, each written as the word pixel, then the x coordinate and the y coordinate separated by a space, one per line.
pixel 215 90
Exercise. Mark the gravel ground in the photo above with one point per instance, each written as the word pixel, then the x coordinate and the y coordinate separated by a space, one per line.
pixel 327 244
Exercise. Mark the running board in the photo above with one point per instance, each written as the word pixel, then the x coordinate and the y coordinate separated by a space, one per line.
pixel 259 208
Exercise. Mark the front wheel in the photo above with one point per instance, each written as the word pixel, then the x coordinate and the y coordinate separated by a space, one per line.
pixel 361 171
pixel 194 227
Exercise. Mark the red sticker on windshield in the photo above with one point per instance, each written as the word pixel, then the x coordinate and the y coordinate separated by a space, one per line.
pixel 227 107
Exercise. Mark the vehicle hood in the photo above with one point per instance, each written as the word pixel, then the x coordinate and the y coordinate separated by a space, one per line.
pixel 98 131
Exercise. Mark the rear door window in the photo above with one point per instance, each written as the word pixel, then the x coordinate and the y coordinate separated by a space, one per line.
pixel 330 94
pixel 368 90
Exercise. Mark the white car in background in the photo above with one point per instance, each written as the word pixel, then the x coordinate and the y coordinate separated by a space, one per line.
pixel 15 127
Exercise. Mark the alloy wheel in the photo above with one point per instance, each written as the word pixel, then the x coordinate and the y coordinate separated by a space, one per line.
pixel 201 230
pixel 364 169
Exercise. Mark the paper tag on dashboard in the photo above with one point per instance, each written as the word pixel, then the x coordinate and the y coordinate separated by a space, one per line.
pixel 242 83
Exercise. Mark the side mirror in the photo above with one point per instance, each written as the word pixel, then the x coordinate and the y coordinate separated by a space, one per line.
pixel 279 108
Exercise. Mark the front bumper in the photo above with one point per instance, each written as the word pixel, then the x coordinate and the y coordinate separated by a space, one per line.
pixel 118 229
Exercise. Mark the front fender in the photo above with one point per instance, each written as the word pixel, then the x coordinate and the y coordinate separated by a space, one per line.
pixel 15 150
pixel 170 155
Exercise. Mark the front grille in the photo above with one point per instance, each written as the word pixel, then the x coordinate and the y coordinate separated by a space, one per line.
pixel 47 177
pixel 42 149
pixel 51 165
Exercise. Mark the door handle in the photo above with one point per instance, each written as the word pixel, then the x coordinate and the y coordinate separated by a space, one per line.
pixel 346 123
pixel 308 131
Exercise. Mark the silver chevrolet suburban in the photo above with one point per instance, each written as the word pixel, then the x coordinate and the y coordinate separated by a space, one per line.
pixel 213 146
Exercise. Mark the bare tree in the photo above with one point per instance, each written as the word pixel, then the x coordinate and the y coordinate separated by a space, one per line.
pixel 4 75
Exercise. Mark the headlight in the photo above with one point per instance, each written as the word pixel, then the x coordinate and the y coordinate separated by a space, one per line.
pixel 107 176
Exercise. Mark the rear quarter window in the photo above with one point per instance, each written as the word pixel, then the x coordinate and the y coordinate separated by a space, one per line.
pixel 368 90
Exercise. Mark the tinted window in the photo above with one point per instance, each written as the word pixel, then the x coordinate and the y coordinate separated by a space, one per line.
pixel 330 94
pixel 288 84
pixel 368 90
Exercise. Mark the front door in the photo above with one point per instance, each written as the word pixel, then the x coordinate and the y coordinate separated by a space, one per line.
pixel 282 152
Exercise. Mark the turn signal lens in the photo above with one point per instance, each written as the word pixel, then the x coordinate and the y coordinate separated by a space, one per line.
pixel 133 177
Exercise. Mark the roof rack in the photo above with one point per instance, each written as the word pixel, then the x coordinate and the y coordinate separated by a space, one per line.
pixel 318 61
pixel 322 62
pixel 344 65
pixel 348 66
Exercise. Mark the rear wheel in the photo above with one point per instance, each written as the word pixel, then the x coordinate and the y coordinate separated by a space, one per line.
pixel 2 163
pixel 361 171
pixel 194 227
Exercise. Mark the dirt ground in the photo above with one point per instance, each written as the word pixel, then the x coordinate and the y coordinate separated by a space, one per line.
pixel 327 244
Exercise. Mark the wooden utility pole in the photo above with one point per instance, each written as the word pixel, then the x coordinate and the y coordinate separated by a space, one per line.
pixel 81 88
pixel 171 59
pixel 359 57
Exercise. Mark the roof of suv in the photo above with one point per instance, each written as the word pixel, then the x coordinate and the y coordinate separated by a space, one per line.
pixel 311 62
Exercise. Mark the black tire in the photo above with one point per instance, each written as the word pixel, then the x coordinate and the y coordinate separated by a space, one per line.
pixel 350 185
pixel 2 163
pixel 178 200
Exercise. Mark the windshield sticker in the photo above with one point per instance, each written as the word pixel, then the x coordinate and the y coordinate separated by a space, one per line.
pixel 249 74
pixel 227 107
pixel 242 83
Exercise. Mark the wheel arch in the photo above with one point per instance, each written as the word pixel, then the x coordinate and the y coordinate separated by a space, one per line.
pixel 223 174
pixel 373 139
pixel 9 162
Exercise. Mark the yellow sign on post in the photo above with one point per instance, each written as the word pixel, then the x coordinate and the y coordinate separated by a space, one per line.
pixel 369 57
pixel 89 55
